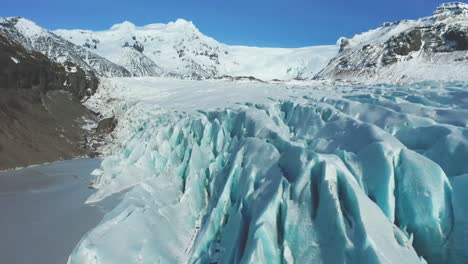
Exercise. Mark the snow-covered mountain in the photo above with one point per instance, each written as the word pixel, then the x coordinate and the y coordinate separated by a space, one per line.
pixel 180 49
pixel 36 38
pixel 430 48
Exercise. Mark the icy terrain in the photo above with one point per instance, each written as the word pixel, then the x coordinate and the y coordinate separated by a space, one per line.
pixel 43 215
pixel 318 172
pixel 180 49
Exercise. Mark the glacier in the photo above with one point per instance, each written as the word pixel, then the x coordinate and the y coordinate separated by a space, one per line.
pixel 306 172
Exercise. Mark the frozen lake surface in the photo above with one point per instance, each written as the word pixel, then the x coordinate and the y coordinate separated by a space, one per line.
pixel 43 211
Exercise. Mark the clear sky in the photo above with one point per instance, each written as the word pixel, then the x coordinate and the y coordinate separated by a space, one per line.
pixel 275 23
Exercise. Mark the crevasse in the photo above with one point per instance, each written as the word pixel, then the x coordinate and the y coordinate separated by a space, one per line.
pixel 286 182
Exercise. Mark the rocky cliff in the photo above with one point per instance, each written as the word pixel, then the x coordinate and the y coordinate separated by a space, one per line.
pixel 41 115
pixel 24 69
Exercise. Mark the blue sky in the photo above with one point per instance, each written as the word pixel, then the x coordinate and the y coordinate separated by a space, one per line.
pixel 275 23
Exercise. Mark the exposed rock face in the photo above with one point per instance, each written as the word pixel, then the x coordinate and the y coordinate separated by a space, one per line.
pixel 242 78
pixel 405 43
pixel 41 116
pixel 457 38
pixel 139 64
pixel 406 50
pixel 136 45
pixel 343 42
pixel 24 69
pixel 106 126
pixel 40 127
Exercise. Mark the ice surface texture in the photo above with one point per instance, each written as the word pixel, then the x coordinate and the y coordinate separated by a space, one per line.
pixel 358 176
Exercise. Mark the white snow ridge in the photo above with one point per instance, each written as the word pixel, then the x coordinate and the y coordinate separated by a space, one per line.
pixel 180 49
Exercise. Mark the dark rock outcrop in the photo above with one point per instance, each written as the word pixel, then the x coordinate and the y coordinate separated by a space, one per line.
pixel 405 42
pixel 24 69
pixel 106 126
pixel 457 38
pixel 138 46
pixel 343 42
pixel 239 78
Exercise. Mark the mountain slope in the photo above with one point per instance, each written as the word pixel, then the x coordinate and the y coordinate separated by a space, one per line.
pixel 41 117
pixel 180 49
pixel 430 48
pixel 33 37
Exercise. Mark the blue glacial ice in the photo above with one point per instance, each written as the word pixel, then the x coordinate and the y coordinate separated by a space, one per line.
pixel 368 177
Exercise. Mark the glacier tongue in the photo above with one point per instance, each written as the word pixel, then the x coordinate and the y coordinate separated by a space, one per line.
pixel 307 179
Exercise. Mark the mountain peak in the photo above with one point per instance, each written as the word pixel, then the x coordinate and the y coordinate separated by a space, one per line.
pixel 23 25
pixel 126 25
pixel 451 8
pixel 181 23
